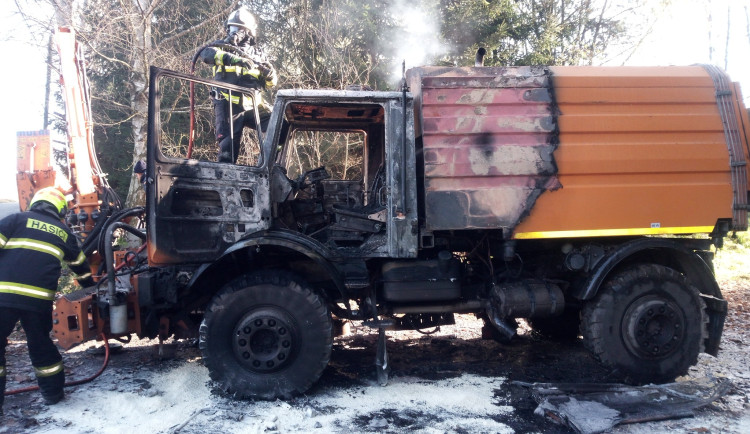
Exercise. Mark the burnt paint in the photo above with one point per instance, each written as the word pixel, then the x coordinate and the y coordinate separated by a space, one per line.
pixel 452 203
pixel 489 138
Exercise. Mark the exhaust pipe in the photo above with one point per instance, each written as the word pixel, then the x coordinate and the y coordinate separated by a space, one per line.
pixel 479 59
pixel 528 299
pixel 506 328
pixel 523 299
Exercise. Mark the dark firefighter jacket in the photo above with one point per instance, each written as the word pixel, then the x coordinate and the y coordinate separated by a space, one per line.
pixel 33 245
pixel 226 71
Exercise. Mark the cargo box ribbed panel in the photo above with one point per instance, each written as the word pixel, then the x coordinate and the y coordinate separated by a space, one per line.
pixel 642 150
pixel 648 150
pixel 488 136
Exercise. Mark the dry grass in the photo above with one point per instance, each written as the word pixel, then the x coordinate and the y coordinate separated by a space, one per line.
pixel 732 262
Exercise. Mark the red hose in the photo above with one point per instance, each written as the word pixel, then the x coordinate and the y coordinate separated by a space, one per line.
pixel 76 382
pixel 106 353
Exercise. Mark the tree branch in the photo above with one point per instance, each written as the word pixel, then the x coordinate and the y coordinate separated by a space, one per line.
pixel 196 27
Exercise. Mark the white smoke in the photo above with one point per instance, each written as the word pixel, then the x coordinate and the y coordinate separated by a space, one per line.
pixel 418 42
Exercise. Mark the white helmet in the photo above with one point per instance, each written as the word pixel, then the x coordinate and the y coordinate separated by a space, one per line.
pixel 243 18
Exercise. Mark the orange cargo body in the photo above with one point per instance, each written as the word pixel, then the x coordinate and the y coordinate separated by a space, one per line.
pixel 641 151
pixel 582 151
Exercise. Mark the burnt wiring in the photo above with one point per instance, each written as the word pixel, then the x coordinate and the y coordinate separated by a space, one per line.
pixel 518 272
pixel 510 271
pixel 486 261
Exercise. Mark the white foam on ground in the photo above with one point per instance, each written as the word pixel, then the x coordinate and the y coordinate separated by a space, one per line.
pixel 177 394
pixel 182 396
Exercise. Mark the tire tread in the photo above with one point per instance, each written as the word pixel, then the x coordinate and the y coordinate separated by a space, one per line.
pixel 597 312
pixel 280 279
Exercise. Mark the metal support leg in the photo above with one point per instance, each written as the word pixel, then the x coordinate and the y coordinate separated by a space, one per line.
pixel 381 359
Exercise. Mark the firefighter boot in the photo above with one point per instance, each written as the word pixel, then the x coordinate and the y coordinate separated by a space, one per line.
pixel 51 380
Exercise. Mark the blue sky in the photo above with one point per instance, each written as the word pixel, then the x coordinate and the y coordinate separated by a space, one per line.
pixel 680 37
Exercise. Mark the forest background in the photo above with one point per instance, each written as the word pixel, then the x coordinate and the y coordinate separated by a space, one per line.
pixel 332 44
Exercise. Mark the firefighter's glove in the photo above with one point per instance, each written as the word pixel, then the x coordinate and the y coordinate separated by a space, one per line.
pixel 86 282
pixel 241 61
pixel 267 70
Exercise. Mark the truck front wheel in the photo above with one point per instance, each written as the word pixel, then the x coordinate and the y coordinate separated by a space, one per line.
pixel 647 323
pixel 266 335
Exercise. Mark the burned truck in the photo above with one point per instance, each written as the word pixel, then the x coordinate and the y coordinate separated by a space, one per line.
pixel 585 200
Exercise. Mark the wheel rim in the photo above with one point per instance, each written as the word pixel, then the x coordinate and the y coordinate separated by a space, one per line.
pixel 653 327
pixel 264 340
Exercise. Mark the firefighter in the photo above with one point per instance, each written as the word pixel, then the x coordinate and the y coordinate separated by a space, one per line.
pixel 238 60
pixel 32 246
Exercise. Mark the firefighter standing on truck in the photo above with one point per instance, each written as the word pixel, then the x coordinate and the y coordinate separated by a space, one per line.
pixel 237 60
pixel 32 246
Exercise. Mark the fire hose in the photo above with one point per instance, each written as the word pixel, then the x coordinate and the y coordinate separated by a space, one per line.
pixel 74 382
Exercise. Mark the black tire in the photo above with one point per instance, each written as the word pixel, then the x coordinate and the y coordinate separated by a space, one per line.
pixel 647 323
pixel 565 327
pixel 266 335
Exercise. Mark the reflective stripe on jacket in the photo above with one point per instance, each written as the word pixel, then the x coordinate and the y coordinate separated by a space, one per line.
pixel 33 245
pixel 236 74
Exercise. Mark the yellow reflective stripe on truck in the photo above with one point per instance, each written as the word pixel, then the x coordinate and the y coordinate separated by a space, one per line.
pixel 613 232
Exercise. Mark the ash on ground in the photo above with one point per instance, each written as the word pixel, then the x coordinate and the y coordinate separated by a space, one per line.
pixel 451 381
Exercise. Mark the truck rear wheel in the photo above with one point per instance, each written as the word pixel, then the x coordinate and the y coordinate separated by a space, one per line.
pixel 647 322
pixel 266 335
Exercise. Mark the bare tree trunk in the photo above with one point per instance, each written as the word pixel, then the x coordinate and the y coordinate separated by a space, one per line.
pixel 63 18
pixel 138 84
pixel 64 12
pixel 346 156
pixel 48 83
pixel 729 32
pixel 710 39
pixel 563 24
pixel 595 36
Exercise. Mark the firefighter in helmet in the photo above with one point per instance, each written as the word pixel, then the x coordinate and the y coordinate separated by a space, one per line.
pixel 32 246
pixel 238 60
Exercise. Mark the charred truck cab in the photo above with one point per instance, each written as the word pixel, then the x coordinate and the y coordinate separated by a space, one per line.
pixel 561 195
pixel 302 223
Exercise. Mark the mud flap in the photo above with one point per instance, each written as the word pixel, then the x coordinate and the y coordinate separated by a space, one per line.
pixel 717 312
